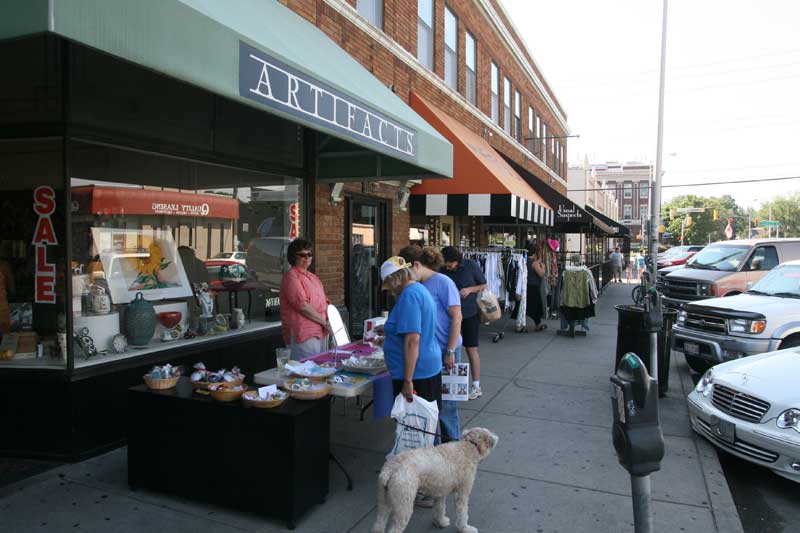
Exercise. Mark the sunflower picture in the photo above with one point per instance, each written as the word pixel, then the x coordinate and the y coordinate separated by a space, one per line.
pixel 153 271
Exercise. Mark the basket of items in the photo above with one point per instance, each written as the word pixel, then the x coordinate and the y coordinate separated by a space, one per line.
pixel 305 389
pixel 309 370
pixel 162 377
pixel 224 393
pixel 365 365
pixel 203 379
pixel 265 397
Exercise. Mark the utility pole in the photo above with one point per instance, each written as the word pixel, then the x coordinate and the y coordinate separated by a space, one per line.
pixel 655 220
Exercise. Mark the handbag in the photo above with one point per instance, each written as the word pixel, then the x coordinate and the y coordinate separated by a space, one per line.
pixel 489 307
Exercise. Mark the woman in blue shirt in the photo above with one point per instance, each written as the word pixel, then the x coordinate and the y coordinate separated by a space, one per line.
pixel 410 348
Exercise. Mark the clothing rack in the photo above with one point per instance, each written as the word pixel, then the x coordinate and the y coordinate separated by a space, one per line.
pixel 576 308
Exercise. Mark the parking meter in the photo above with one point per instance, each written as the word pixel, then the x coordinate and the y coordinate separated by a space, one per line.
pixel 637 431
pixel 653 316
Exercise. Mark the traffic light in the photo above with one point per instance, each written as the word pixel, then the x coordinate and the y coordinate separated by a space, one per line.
pixel 689 221
pixel 716 214
pixel 672 214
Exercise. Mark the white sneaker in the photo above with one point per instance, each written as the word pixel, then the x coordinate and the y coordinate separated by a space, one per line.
pixel 475 393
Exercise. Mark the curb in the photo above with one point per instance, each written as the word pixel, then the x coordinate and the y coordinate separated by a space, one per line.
pixel 723 508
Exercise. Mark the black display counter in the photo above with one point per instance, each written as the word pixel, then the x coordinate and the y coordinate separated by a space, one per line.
pixel 268 461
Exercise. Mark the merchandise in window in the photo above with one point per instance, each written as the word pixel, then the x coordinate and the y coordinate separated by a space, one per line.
pixel 471 64
pixel 372 10
pixel 33 326
pixel 425 33
pixel 168 252
pixel 450 49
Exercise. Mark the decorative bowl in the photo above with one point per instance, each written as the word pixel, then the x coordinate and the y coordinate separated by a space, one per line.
pixel 170 319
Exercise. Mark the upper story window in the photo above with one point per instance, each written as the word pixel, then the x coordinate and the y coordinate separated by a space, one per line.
pixel 495 95
pixel 450 49
pixel 537 143
pixel 471 62
pixel 531 136
pixel 644 190
pixel 425 33
pixel 507 106
pixel 627 212
pixel 543 143
pixel 627 190
pixel 372 10
pixel 517 117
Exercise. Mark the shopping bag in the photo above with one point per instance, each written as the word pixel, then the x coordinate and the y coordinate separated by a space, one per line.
pixel 416 423
pixel 489 306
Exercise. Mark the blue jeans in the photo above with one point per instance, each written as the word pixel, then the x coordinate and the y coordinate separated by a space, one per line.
pixel 448 416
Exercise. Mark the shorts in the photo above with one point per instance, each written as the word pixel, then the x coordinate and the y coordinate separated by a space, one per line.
pixel 469 331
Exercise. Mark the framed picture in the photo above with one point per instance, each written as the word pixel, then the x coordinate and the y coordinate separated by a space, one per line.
pixel 145 261
pixel 21 316
pixel 455 383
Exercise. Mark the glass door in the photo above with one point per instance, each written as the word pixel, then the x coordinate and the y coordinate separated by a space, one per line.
pixel 366 240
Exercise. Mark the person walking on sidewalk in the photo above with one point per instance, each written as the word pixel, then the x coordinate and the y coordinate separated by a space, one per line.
pixel 425 263
pixel 535 305
pixel 470 281
pixel 616 265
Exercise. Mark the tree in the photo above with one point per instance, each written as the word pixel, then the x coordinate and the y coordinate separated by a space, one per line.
pixel 704 227
pixel 786 210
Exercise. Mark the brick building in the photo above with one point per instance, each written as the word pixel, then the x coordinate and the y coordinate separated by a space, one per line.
pixel 468 61
pixel 630 183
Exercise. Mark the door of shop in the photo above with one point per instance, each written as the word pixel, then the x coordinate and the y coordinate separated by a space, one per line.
pixel 366 238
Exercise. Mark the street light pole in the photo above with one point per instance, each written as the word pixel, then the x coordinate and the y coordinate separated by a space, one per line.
pixel 655 220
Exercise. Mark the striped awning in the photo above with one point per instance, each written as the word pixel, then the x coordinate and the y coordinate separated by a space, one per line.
pixel 483 183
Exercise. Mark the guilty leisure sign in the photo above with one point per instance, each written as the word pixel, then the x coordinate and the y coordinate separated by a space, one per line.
pixel 274 84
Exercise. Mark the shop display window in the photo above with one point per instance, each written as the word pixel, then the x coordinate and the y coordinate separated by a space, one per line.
pixel 33 328
pixel 168 252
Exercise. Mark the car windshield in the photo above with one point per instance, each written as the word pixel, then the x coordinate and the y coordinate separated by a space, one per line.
pixel 781 281
pixel 223 255
pixel 676 251
pixel 720 257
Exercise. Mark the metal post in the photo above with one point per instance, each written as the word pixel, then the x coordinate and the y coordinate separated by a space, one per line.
pixel 642 514
pixel 656 196
pixel 654 355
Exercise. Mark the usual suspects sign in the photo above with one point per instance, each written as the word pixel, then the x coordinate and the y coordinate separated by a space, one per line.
pixel 271 82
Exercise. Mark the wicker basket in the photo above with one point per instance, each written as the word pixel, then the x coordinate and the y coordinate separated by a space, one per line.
pixel 203 385
pixel 160 384
pixel 227 395
pixel 313 394
pixel 251 398
pixel 314 379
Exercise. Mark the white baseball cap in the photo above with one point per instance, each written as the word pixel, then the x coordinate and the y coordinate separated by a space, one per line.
pixel 392 265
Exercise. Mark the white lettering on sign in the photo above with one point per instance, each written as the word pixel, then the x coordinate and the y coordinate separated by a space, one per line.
pixel 357 120
pixel 568 212
pixel 189 210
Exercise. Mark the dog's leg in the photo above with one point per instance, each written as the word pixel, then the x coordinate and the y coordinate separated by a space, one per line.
pixel 383 511
pixel 462 508
pixel 439 517
pixel 401 503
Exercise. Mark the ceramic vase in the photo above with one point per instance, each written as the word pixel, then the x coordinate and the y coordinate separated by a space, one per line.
pixel 140 321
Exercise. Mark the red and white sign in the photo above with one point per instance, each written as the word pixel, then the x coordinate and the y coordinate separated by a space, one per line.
pixel 729 231
pixel 128 201
pixel 44 205
pixel 294 221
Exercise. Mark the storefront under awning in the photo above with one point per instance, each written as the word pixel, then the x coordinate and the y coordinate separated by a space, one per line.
pixel 618 230
pixel 568 216
pixel 483 183
pixel 263 55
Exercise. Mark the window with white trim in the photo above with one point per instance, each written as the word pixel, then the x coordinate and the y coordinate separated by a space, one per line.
pixel 450 49
pixel 538 142
pixel 471 63
pixel 543 143
pixel 644 190
pixel 372 10
pixel 627 190
pixel 425 33
pixel 627 212
pixel 495 95
pixel 517 117
pixel 507 106
pixel 642 212
pixel 531 136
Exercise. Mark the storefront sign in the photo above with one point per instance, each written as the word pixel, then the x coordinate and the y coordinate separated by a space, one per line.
pixel 294 220
pixel 44 205
pixel 127 201
pixel 186 210
pixel 568 213
pixel 274 84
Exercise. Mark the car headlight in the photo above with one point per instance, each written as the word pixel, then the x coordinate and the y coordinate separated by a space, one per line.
pixel 705 289
pixel 681 317
pixel 706 383
pixel 790 418
pixel 740 325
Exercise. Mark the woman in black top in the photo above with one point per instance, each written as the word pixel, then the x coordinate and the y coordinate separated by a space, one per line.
pixel 534 301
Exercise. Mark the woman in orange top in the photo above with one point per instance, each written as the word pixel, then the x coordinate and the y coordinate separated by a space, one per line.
pixel 303 303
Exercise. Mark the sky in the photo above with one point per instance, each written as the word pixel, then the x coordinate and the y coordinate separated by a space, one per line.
pixel 732 86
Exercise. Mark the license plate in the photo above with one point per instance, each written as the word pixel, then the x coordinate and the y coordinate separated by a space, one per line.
pixel 691 348
pixel 723 429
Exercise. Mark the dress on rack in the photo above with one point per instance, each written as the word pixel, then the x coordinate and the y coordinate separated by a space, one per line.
pixel 578 296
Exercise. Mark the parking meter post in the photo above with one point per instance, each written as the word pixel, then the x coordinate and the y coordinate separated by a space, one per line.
pixel 642 513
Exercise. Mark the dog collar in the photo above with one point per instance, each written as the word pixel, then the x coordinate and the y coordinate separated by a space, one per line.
pixel 476 446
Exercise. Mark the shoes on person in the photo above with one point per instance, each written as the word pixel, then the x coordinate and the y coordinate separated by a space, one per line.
pixel 423 500
pixel 475 393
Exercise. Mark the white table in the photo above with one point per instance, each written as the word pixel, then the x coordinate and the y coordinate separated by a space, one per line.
pixel 354 385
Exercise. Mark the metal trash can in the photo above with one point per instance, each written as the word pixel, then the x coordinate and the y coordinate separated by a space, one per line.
pixel 631 337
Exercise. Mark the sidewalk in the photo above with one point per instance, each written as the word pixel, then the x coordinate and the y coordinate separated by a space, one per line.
pixel 554 469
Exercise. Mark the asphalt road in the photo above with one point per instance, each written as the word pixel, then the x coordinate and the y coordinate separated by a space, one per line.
pixel 767 503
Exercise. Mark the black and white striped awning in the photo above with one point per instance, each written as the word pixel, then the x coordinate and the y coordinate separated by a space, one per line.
pixel 487 205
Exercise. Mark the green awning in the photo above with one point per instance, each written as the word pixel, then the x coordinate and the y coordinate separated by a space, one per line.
pixel 260 53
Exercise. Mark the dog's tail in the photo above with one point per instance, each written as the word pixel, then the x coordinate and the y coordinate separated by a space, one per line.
pixel 385 477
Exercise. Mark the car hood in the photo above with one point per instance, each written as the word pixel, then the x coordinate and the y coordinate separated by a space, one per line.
pixel 698 274
pixel 754 303
pixel 771 376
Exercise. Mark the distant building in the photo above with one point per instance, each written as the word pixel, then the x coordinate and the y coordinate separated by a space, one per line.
pixel 585 188
pixel 629 184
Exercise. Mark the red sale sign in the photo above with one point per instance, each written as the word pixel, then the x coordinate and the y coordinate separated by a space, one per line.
pixel 294 221
pixel 44 205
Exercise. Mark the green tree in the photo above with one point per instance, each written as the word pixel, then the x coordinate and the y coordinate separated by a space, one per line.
pixel 704 227
pixel 786 210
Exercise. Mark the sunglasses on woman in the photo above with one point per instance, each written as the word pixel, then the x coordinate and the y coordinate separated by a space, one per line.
pixel 305 254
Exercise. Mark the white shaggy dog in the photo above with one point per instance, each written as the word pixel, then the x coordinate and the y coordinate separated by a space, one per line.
pixel 437 472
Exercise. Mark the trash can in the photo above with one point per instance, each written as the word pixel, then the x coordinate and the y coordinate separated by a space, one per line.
pixel 631 337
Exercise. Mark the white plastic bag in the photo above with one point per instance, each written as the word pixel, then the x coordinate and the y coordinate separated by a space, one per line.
pixel 412 417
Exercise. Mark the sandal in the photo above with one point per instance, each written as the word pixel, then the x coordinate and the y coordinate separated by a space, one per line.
pixel 541 327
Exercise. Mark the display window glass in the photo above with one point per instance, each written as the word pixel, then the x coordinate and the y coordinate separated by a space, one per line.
pixel 167 251
pixel 33 328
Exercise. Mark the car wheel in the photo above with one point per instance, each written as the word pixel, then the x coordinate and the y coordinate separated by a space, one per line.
pixel 792 341
pixel 698 364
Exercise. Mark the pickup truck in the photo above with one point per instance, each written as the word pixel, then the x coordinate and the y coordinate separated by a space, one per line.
pixel 763 319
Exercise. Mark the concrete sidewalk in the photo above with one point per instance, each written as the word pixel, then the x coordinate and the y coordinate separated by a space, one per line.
pixel 554 469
